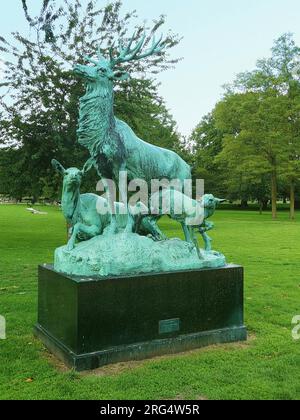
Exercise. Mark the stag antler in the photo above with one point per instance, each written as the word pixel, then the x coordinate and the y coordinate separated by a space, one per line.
pixel 129 54
pixel 99 55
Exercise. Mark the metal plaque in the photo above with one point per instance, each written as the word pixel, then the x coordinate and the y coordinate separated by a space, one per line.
pixel 169 326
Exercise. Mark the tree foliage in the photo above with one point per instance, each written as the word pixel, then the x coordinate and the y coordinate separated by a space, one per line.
pixel 207 144
pixel 39 92
pixel 254 130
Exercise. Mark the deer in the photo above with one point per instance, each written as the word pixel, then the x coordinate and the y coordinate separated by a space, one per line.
pixel 88 214
pixel 112 144
pixel 191 214
pixel 79 210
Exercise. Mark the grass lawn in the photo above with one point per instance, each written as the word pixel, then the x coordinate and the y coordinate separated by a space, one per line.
pixel 267 367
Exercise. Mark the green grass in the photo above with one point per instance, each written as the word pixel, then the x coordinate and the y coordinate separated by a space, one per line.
pixel 267 367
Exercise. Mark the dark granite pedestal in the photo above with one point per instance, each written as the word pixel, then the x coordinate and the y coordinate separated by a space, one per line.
pixel 91 322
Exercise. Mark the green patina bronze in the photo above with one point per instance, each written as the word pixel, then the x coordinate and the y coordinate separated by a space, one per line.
pixel 113 243
pixel 192 217
pixel 112 144
pixel 81 211
pixel 210 203
pixel 125 252
pixel 120 289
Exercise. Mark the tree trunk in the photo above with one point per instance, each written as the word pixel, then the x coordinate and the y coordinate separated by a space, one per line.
pixel 274 195
pixel 265 204
pixel 244 204
pixel 34 200
pixel 292 199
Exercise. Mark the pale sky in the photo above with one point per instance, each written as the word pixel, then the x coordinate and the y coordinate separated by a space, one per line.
pixel 221 39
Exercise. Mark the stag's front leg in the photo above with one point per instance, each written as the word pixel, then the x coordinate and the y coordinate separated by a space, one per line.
pixel 132 219
pixel 130 223
pixel 123 196
pixel 113 226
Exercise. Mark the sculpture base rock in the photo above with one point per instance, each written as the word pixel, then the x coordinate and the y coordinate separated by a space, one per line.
pixel 129 254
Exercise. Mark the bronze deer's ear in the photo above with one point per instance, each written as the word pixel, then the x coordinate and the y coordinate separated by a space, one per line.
pixel 220 200
pixel 58 166
pixel 88 166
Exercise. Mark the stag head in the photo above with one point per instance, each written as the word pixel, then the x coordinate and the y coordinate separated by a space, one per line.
pixel 106 69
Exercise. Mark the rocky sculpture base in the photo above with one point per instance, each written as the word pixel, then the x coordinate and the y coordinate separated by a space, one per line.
pixel 89 322
pixel 129 254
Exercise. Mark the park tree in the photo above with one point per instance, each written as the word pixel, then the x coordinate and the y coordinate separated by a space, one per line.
pixel 255 139
pixel 39 93
pixel 260 117
pixel 217 158
pixel 291 166
pixel 206 140
pixel 13 181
